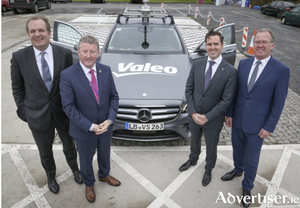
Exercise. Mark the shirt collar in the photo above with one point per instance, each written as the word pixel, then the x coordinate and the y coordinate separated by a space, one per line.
pixel 48 50
pixel 263 61
pixel 87 70
pixel 217 60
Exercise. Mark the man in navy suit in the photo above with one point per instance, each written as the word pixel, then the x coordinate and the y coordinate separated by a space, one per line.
pixel 91 101
pixel 262 89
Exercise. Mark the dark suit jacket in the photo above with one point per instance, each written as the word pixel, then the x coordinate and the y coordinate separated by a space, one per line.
pixel 35 103
pixel 262 106
pixel 80 104
pixel 218 96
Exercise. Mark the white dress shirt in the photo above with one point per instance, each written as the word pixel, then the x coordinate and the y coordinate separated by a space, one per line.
pixel 48 57
pixel 260 67
pixel 215 66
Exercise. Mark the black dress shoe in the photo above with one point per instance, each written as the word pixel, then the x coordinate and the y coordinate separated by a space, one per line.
pixel 230 175
pixel 186 165
pixel 53 186
pixel 246 198
pixel 206 178
pixel 77 176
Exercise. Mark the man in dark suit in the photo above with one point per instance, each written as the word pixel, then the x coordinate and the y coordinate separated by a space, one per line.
pixel 91 101
pixel 209 91
pixel 261 92
pixel 35 74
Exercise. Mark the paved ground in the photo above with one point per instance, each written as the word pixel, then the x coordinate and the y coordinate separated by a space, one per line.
pixel 149 170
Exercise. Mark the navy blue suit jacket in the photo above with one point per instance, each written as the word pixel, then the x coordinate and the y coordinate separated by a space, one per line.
pixel 262 106
pixel 80 104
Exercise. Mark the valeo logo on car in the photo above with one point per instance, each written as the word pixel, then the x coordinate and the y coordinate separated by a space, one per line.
pixel 148 68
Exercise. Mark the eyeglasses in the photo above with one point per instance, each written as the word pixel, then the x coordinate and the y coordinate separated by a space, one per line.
pixel 262 42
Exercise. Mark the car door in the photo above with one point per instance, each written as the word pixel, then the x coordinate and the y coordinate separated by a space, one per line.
pixel 229 50
pixel 273 7
pixel 67 36
pixel 295 16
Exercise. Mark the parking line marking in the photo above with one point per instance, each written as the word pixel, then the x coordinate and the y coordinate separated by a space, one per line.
pixel 139 178
pixel 278 175
pixel 167 193
pixel 242 14
pixel 27 178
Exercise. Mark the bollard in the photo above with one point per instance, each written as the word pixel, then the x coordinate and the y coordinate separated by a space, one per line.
pixel 245 35
pixel 196 12
pixel 208 18
pixel 222 21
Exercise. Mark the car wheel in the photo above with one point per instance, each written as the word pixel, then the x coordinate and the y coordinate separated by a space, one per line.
pixel 279 14
pixel 16 11
pixel 35 8
pixel 283 21
pixel 263 10
pixel 48 5
pixel 3 8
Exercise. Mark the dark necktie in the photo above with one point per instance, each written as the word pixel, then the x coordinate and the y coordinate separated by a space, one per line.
pixel 253 77
pixel 94 84
pixel 208 74
pixel 46 72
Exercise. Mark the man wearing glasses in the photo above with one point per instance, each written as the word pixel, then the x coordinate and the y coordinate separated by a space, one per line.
pixel 261 92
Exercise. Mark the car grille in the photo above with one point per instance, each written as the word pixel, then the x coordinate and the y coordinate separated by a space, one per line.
pixel 146 135
pixel 147 115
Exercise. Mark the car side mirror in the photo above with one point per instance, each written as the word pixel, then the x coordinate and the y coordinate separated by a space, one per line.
pixel 76 47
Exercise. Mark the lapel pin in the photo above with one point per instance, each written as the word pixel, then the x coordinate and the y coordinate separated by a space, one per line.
pixel 222 69
pixel 100 71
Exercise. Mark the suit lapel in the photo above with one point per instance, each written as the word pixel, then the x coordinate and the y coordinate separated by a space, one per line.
pixel 217 74
pixel 31 61
pixel 268 68
pixel 85 81
pixel 100 80
pixel 56 65
pixel 201 76
pixel 246 72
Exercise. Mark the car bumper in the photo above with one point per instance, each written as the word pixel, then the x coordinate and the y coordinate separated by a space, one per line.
pixel 21 6
pixel 176 129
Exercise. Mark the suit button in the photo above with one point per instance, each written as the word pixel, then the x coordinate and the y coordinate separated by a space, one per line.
pixel 202 95
pixel 247 98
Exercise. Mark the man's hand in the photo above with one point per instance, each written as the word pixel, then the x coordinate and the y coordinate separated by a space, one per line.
pixel 199 119
pixel 228 121
pixel 101 128
pixel 264 134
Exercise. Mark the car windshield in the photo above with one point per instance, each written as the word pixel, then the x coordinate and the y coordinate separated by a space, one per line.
pixel 289 4
pixel 145 39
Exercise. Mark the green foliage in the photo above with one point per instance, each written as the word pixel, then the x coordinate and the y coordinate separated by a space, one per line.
pixel 155 1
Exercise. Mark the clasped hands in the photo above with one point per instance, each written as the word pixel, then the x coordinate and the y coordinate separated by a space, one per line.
pixel 199 118
pixel 101 128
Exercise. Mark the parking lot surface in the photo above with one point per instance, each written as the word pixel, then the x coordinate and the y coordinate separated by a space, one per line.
pixel 148 170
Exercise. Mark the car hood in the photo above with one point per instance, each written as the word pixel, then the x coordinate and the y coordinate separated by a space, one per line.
pixel 158 77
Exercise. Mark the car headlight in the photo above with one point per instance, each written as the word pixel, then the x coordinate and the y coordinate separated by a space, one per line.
pixel 184 108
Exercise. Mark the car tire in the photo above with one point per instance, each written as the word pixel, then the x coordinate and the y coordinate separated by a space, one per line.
pixel 283 21
pixel 16 11
pixel 35 8
pixel 263 10
pixel 279 14
pixel 3 8
pixel 48 5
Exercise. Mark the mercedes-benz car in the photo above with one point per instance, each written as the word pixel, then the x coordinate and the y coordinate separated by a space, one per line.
pixel 150 61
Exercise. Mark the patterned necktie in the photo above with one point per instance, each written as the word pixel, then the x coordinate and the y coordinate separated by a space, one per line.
pixel 94 84
pixel 253 77
pixel 208 74
pixel 46 72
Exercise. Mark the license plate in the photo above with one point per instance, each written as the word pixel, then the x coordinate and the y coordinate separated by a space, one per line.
pixel 145 127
